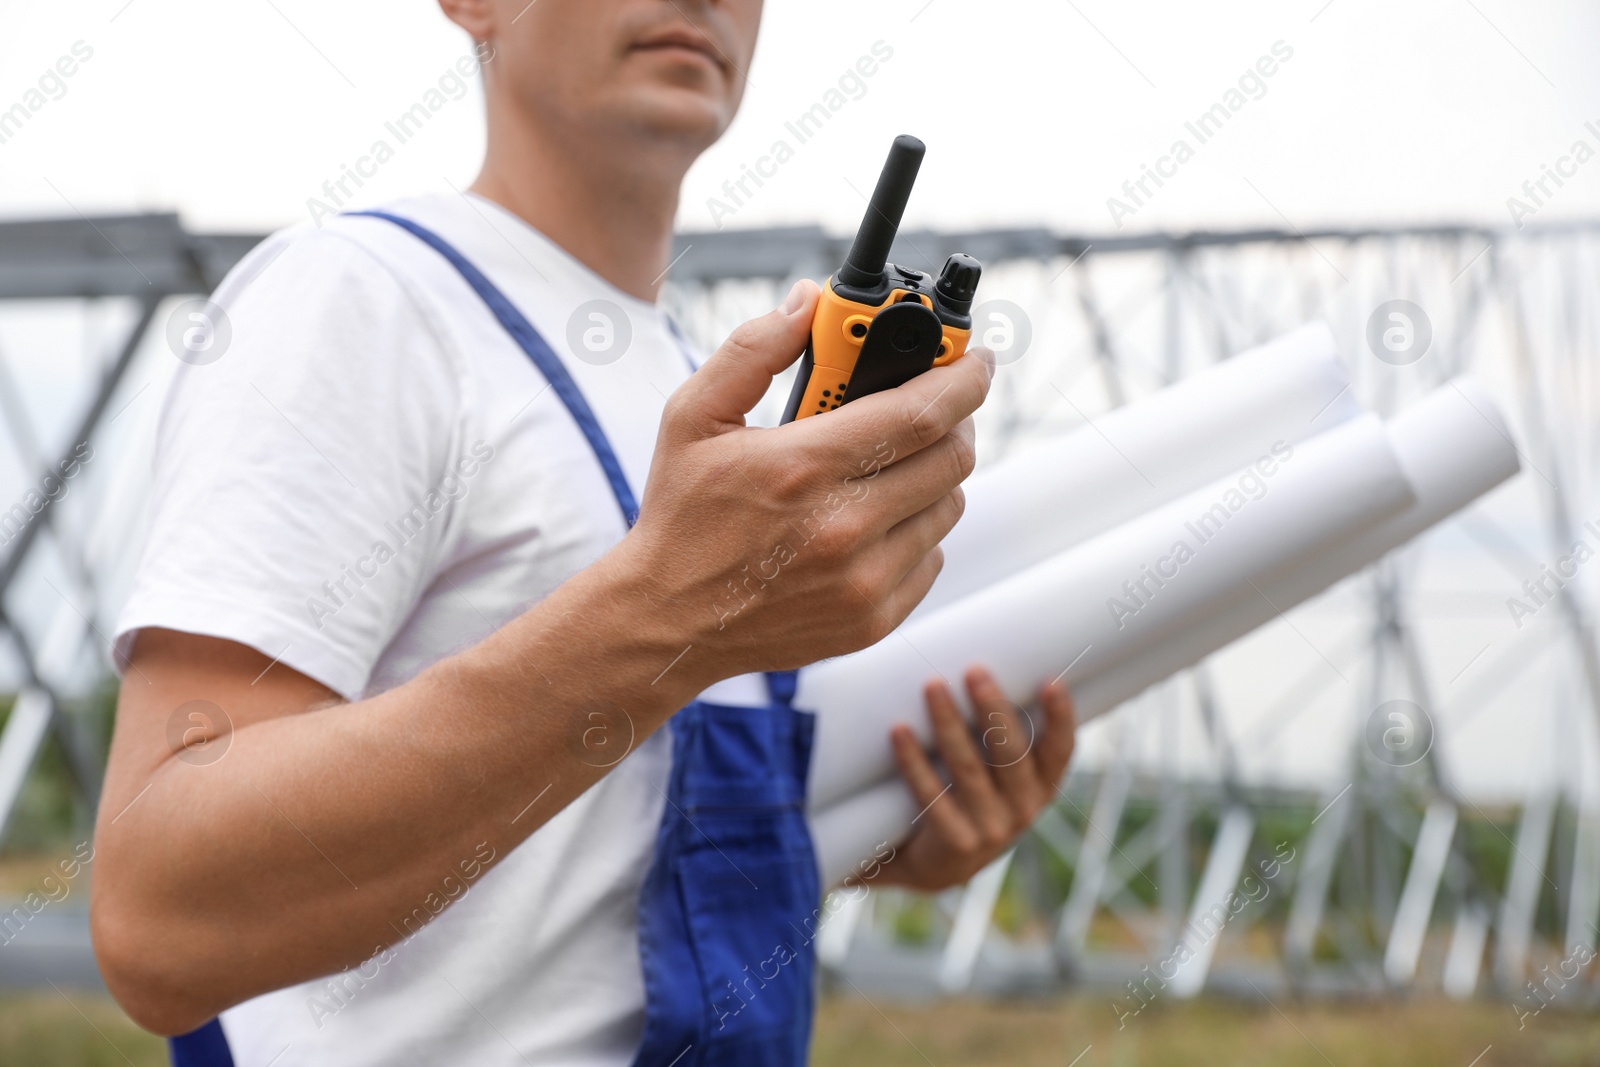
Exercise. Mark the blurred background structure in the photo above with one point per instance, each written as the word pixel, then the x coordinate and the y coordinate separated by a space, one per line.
pixel 1250 800
pixel 1435 153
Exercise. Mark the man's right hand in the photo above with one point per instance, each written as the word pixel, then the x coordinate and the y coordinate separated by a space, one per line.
pixel 780 547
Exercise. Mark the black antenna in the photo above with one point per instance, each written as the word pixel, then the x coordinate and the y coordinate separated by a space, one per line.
pixel 864 267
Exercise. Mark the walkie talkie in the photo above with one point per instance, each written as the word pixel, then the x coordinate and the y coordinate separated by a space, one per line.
pixel 878 324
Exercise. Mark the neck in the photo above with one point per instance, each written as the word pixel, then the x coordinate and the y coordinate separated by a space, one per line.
pixel 608 203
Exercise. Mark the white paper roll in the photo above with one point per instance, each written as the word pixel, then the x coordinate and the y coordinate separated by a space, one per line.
pixel 852 830
pixel 1062 492
pixel 1453 447
pixel 1106 600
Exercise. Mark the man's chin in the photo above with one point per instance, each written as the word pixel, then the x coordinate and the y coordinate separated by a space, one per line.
pixel 690 116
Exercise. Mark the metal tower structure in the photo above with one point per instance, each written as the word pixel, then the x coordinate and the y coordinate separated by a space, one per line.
pixel 1251 778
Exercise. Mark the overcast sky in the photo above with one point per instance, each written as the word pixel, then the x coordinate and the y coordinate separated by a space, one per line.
pixel 1034 111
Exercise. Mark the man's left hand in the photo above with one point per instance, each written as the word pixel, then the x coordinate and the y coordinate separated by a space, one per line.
pixel 997 786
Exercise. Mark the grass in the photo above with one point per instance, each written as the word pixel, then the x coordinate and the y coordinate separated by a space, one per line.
pixel 74 1029
pixel 853 1033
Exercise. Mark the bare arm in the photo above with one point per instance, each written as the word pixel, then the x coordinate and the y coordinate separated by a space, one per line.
pixel 325 825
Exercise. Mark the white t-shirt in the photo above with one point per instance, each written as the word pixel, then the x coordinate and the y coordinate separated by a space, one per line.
pixel 371 477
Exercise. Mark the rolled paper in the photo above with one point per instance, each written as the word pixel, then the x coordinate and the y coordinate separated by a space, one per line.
pixel 1061 492
pixel 1453 446
pixel 1108 599
pixel 859 827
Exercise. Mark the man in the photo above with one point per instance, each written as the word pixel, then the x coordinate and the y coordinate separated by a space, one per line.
pixel 397 667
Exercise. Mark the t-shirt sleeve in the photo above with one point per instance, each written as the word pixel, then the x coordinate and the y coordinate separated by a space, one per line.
pixel 302 491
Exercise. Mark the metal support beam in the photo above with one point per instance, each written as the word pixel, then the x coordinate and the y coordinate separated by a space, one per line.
pixel 1421 889
pixel 973 916
pixel 1213 900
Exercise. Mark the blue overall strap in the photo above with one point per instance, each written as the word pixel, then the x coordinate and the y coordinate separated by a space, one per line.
pixel 781 686
pixel 555 372
pixel 728 910
pixel 205 1047
pixel 538 350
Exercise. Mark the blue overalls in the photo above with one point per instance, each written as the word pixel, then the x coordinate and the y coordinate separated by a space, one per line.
pixel 730 905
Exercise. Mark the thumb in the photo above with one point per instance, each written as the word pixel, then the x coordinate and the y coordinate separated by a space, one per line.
pixel 738 374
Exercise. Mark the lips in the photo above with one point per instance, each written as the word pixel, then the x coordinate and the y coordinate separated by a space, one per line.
pixel 681 40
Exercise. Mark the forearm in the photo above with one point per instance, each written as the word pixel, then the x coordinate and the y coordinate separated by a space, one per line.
pixel 322 836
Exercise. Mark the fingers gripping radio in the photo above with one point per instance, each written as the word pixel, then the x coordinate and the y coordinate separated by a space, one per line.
pixel 879 324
